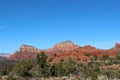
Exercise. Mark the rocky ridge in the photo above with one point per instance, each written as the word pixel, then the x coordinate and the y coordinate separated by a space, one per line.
pixel 63 50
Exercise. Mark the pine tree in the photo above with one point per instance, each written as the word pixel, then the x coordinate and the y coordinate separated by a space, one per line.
pixel 44 67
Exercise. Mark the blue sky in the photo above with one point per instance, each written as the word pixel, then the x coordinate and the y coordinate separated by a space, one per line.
pixel 43 23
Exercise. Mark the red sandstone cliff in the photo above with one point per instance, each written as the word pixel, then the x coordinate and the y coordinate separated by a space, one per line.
pixel 62 47
pixel 25 52
pixel 117 47
pixel 63 50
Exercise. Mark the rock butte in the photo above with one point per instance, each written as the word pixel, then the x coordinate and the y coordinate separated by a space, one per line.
pixel 63 50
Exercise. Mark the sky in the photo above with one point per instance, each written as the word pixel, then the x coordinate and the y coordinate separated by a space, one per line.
pixel 43 23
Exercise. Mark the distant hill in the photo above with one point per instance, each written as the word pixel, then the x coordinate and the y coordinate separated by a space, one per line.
pixel 3 58
pixel 5 54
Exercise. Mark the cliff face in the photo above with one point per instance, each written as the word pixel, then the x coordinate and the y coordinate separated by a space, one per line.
pixel 63 50
pixel 117 47
pixel 25 52
pixel 62 47
pixel 66 46
pixel 28 49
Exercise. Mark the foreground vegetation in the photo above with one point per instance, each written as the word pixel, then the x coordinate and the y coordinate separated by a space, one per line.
pixel 40 67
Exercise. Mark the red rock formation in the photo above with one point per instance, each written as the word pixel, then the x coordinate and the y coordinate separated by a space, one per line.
pixel 25 52
pixel 29 49
pixel 79 54
pixel 66 46
pixel 63 50
pixel 62 47
pixel 117 47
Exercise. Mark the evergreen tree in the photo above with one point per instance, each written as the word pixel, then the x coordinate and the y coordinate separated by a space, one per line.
pixel 23 68
pixel 44 67
pixel 69 66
